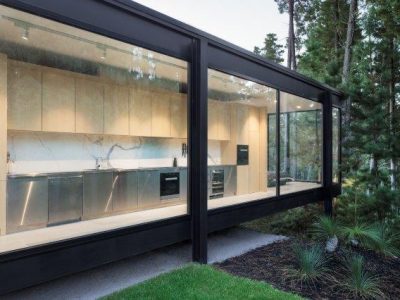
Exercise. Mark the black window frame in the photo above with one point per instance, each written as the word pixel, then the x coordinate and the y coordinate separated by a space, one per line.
pixel 157 32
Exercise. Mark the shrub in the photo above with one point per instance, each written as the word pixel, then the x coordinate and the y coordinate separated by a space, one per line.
pixel 358 282
pixel 311 264
pixel 383 240
pixel 359 234
pixel 325 228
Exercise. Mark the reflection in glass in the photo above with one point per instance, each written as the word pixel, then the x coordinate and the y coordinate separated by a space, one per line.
pixel 301 143
pixel 335 144
pixel 96 132
pixel 240 136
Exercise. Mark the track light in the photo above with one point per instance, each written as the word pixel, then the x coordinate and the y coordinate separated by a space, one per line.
pixel 103 49
pixel 25 34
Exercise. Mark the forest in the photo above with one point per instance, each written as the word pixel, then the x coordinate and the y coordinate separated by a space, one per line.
pixel 354 46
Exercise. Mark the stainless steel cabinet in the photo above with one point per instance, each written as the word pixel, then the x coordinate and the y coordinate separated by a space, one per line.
pixel 27 203
pixel 183 185
pixel 125 191
pixel 149 188
pixel 229 181
pixel 97 194
pixel 65 199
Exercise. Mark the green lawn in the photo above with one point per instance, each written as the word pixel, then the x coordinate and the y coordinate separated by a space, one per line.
pixel 201 282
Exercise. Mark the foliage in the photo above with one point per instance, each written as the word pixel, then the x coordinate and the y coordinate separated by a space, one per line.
pixel 357 235
pixel 271 49
pixel 383 239
pixel 201 282
pixel 295 221
pixel 325 228
pixel 311 264
pixel 358 282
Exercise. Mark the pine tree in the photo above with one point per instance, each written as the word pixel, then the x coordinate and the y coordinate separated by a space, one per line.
pixel 271 50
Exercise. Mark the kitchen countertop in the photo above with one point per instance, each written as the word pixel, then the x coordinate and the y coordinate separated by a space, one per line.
pixel 50 174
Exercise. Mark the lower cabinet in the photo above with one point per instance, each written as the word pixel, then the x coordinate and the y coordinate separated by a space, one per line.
pixel 149 188
pixel 125 191
pixel 97 194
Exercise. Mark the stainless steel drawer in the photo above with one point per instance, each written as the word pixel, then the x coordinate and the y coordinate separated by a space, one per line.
pixel 65 199
pixel 27 203
pixel 97 194
pixel 125 191
pixel 230 181
pixel 149 188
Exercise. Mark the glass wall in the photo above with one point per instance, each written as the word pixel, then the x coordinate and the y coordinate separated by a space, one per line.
pixel 300 144
pixel 95 133
pixel 335 144
pixel 240 136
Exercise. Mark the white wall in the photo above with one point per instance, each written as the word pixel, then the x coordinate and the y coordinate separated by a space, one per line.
pixel 33 152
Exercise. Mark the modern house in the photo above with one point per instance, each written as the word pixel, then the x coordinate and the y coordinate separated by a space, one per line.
pixel 123 130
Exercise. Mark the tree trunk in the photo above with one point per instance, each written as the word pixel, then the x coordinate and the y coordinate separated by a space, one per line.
pixel 336 18
pixel 291 63
pixel 347 56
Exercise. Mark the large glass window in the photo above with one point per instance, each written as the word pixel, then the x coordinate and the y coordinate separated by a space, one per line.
pixel 239 140
pixel 335 144
pixel 95 134
pixel 300 143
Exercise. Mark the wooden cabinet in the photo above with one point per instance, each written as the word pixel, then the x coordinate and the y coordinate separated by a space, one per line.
pixel 116 109
pixel 160 115
pixel 89 106
pixel 178 107
pixel 213 122
pixel 242 127
pixel 224 129
pixel 140 110
pixel 58 102
pixel 25 97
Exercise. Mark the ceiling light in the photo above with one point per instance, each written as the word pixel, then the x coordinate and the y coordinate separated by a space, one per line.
pixel 275 101
pixel 298 106
pixel 312 105
pixel 103 49
pixel 25 33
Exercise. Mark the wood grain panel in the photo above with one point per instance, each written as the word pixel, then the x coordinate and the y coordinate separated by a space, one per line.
pixel 89 106
pixel 116 109
pixel 24 96
pixel 140 111
pixel 161 115
pixel 58 102
pixel 178 115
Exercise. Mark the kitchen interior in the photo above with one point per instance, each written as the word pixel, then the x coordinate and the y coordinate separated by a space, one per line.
pixel 94 134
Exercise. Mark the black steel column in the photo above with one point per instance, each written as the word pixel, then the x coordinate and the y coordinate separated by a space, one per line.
pixel 327 152
pixel 198 182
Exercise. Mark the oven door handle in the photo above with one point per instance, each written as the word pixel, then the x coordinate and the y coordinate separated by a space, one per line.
pixel 171 179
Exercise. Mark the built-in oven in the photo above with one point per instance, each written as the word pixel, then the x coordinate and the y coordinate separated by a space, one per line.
pixel 217 183
pixel 169 185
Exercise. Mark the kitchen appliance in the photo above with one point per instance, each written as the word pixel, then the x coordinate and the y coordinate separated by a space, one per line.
pixel 217 183
pixel 169 185
pixel 27 203
pixel 242 155
pixel 65 199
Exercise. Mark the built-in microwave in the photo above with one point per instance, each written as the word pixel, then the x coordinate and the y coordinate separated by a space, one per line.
pixel 169 185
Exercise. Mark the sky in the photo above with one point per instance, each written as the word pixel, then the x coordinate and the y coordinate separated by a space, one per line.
pixel 241 22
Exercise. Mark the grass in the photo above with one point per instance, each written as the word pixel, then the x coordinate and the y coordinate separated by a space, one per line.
pixel 201 282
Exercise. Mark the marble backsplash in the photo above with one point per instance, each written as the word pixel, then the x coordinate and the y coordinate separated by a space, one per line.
pixel 37 152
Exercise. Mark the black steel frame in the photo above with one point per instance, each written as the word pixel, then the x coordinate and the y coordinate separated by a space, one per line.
pixel 130 22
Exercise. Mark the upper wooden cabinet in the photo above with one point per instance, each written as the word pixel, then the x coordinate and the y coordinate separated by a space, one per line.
pixel 116 109
pixel 242 121
pixel 160 115
pixel 58 101
pixel 219 120
pixel 24 96
pixel 178 106
pixel 140 112
pixel 89 106
pixel 213 121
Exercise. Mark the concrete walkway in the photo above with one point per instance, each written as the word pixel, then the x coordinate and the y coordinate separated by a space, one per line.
pixel 113 277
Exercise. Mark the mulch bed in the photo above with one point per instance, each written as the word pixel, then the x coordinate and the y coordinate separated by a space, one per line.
pixel 270 263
